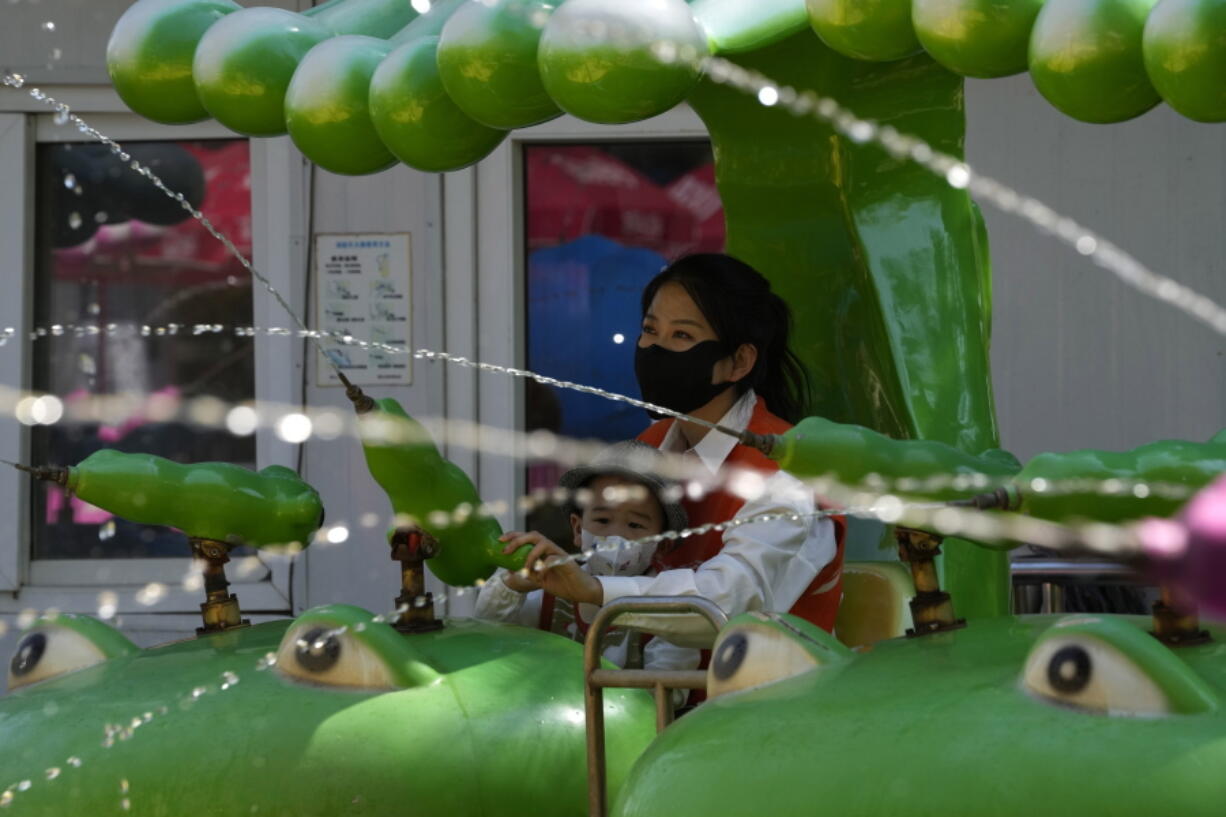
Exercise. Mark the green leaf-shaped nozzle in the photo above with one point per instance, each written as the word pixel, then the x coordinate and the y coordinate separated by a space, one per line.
pixel 417 120
pixel 487 62
pixel 616 61
pixel 1185 56
pixel 976 38
pixel 1086 58
pixel 149 56
pixel 327 106
pixel 875 30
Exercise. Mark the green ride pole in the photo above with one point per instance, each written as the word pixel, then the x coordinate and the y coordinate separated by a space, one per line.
pixel 884 265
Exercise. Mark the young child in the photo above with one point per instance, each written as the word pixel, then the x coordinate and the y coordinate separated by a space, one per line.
pixel 624 500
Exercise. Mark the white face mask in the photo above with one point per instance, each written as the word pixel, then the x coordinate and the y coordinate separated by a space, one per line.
pixel 615 555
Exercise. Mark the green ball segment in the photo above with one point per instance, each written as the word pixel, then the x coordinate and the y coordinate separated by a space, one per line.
pixel 487 63
pixel 1085 58
pixel 417 120
pixel 244 64
pixel 976 38
pixel 327 110
pixel 149 56
pixel 1185 55
pixel 874 30
pixel 617 61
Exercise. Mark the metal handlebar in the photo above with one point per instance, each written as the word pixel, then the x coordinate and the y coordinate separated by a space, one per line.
pixel 597 679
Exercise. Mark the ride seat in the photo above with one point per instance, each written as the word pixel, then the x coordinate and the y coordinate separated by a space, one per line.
pixel 875 604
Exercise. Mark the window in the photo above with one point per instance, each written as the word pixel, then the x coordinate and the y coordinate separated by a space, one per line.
pixel 121 276
pixel 600 220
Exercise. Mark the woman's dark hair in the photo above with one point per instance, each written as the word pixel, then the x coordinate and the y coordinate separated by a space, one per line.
pixel 738 303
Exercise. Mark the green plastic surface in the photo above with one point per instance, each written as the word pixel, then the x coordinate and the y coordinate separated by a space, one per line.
pixel 210 500
pixel 489 721
pixel 944 725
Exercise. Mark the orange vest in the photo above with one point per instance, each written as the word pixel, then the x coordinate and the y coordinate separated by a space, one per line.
pixel 820 601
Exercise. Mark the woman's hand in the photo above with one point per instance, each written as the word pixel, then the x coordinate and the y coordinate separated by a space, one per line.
pixel 553 569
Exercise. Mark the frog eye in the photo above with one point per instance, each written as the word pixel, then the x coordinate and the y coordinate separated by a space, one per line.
pixel 59 645
pixel 342 646
pixel 332 656
pixel 763 648
pixel 1112 668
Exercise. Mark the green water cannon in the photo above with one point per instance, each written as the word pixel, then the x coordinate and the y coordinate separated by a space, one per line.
pixel 1087 485
pixel 429 493
pixel 218 505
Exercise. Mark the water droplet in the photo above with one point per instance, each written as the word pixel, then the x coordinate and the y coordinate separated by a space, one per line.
pixel 74 220
pixel 198 691
pixel 61 117
pixel 124 786
pixel 49 26
pixel 56 53
pixel 52 773
pixel 6 798
pixel 106 530
pixel 74 762
pixel 70 181
pixel 24 785
pixel 100 217
pixel 125 804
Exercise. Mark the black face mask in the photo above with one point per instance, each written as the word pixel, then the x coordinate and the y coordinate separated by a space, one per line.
pixel 680 381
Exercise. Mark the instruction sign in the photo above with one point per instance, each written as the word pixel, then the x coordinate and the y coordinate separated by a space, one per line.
pixel 363 300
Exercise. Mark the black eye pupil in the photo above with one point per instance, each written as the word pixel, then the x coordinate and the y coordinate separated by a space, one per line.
pixel 730 656
pixel 1069 670
pixel 29 653
pixel 318 650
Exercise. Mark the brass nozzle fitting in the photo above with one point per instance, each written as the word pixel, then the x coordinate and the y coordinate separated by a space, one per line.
pixel 47 473
pixel 362 402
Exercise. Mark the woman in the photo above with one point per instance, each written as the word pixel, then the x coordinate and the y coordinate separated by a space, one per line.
pixel 714 345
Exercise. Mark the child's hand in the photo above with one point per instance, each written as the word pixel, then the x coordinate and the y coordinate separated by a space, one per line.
pixel 553 569
pixel 520 581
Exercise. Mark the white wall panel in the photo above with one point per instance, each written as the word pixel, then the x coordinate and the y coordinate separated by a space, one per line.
pixel 1081 360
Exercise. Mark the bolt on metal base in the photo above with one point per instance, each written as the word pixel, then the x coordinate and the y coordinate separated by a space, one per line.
pixel 1176 623
pixel 220 609
pixel 932 609
pixel 411 547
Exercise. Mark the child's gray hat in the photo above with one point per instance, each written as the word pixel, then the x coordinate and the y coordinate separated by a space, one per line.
pixel 637 462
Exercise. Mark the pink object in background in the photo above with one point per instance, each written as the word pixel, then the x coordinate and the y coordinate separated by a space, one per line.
pixel 578 190
pixel 1190 550
pixel 697 193
pixel 82 512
